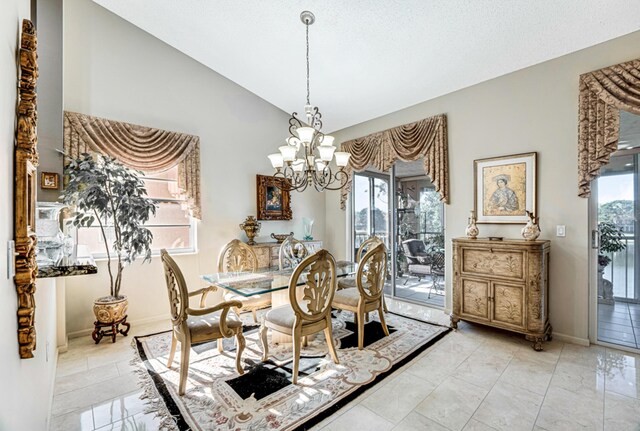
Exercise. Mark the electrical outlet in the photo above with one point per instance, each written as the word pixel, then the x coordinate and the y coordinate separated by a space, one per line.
pixel 11 259
pixel 560 230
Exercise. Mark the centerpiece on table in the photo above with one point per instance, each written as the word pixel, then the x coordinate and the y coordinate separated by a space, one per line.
pixel 105 192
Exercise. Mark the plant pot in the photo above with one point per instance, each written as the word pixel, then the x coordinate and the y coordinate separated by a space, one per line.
pixel 109 309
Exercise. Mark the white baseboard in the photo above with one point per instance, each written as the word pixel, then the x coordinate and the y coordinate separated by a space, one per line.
pixel 570 339
pixel 88 331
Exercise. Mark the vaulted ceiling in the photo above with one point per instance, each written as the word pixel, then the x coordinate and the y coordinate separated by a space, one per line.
pixel 373 57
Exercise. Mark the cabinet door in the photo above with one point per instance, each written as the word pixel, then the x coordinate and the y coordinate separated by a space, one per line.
pixel 508 304
pixel 474 299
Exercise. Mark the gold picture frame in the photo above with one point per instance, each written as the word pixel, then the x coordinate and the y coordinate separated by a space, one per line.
pixel 505 188
pixel 273 198
pixel 49 181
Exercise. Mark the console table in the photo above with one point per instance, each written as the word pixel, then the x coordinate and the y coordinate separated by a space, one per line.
pixel 268 252
pixel 504 284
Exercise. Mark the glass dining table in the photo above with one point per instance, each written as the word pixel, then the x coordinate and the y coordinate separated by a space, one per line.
pixel 273 281
pixel 268 281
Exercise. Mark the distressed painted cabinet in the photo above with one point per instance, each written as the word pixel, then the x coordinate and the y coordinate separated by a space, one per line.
pixel 268 252
pixel 504 284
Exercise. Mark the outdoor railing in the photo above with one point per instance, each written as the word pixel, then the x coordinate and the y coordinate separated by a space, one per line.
pixel 621 270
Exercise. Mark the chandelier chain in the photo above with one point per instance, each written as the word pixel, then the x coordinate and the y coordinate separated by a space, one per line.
pixel 307 26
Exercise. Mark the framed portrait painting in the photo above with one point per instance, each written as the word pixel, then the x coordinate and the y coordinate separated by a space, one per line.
pixel 273 198
pixel 505 188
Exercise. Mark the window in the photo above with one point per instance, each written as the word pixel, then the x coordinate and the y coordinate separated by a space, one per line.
pixel 370 208
pixel 172 227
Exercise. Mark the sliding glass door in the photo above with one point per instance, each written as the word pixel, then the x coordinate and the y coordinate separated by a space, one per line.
pixel 416 247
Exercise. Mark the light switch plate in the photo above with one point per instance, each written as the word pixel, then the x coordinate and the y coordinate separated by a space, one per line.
pixel 560 230
pixel 11 259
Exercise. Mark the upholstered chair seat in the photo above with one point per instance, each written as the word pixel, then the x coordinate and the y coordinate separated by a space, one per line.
pixel 346 283
pixel 284 317
pixel 206 327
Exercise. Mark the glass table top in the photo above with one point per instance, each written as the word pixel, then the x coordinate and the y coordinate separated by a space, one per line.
pixel 257 283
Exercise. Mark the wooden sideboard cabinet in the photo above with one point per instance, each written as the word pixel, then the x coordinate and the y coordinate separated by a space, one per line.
pixel 504 284
pixel 268 252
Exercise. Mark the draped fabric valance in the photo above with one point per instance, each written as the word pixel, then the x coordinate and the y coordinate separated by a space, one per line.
pixel 423 139
pixel 139 147
pixel 603 93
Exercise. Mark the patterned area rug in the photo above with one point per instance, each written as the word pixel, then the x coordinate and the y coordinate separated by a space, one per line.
pixel 217 398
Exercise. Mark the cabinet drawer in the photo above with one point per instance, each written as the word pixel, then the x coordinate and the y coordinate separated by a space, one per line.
pixel 508 304
pixel 474 298
pixel 501 263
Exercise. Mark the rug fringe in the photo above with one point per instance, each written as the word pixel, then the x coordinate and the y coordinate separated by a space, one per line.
pixel 151 397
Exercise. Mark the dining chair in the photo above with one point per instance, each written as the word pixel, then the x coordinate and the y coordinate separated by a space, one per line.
pixel 368 295
pixel 309 315
pixel 237 256
pixel 197 325
pixel 292 252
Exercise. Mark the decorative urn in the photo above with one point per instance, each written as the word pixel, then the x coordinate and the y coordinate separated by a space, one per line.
pixel 531 231
pixel 251 227
pixel 472 230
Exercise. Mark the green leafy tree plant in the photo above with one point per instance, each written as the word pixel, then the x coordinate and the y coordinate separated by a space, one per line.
pixel 106 192
pixel 611 241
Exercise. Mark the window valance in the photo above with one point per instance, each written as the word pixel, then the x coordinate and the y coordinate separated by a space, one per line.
pixel 426 139
pixel 144 148
pixel 603 93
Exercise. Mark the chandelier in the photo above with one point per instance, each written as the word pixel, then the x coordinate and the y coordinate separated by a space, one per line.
pixel 306 158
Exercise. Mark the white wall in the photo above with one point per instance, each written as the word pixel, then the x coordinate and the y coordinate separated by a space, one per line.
pixel 25 384
pixel 535 109
pixel 115 70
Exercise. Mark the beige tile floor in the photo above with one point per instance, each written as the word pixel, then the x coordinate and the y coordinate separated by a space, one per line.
pixel 473 379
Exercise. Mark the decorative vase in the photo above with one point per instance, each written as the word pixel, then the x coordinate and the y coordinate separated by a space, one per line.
pixel 472 230
pixel 308 228
pixel 109 309
pixel 251 227
pixel 531 231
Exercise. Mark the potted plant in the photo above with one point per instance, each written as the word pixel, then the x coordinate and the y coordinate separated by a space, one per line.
pixel 611 241
pixel 104 191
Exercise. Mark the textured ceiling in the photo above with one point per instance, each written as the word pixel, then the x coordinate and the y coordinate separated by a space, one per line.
pixel 373 57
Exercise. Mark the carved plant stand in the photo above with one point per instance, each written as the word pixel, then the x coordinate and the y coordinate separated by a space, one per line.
pixel 98 332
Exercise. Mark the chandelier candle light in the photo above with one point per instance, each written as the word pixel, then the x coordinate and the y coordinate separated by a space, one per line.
pixel 309 167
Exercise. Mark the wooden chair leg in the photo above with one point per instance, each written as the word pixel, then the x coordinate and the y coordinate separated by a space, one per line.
pixel 305 341
pixel 239 350
pixel 220 346
pixel 360 331
pixel 384 304
pixel 255 318
pixel 184 365
pixel 297 340
pixel 172 352
pixel 264 342
pixel 328 334
pixel 382 321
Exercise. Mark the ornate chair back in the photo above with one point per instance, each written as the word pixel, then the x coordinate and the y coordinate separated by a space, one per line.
pixel 371 274
pixel 367 244
pixel 177 289
pixel 318 290
pixel 292 252
pixel 237 256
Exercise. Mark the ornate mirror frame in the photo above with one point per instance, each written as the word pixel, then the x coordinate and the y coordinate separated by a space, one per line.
pixel 26 162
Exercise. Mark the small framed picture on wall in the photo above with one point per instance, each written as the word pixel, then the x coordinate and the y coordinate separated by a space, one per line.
pixel 49 181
